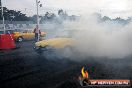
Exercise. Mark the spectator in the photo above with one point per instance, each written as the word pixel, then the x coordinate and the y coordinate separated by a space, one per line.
pixel 37 33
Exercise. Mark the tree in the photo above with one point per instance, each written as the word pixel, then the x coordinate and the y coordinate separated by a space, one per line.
pixel 13 15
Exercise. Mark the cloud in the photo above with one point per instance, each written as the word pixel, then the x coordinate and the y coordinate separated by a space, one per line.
pixel 80 6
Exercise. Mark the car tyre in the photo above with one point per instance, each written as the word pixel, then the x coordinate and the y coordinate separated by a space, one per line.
pixel 38 50
pixel 20 39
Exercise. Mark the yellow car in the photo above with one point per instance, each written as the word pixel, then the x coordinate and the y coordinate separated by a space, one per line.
pixel 54 44
pixel 57 43
pixel 26 35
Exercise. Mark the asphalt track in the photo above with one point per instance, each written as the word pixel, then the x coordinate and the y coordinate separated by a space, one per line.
pixel 24 68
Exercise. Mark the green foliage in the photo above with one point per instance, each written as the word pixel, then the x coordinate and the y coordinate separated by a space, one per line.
pixel 13 15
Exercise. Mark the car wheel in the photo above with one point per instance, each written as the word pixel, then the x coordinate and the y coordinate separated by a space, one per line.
pixel 38 50
pixel 19 39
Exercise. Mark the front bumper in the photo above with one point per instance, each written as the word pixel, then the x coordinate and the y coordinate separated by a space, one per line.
pixel 41 49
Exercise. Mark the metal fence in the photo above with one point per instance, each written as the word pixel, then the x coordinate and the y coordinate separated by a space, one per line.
pixel 16 24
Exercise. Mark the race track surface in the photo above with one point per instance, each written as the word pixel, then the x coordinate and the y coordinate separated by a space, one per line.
pixel 24 68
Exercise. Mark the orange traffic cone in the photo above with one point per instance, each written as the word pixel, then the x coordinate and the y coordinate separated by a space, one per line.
pixel 7 41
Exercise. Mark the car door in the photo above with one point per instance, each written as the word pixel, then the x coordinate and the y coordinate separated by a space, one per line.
pixel 25 34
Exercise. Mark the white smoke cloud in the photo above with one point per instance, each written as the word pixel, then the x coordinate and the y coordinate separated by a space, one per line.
pixel 99 40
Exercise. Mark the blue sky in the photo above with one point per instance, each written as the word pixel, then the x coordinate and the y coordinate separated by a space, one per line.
pixel 107 7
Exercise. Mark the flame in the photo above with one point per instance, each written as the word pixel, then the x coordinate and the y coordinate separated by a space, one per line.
pixel 84 73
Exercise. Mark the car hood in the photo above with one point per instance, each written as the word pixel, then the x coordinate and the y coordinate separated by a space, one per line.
pixel 55 42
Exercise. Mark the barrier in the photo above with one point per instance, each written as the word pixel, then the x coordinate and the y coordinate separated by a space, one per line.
pixel 7 41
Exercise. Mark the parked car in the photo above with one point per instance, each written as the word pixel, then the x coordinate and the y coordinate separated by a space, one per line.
pixel 24 35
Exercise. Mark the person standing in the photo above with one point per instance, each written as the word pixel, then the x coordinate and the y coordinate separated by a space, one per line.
pixel 37 33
